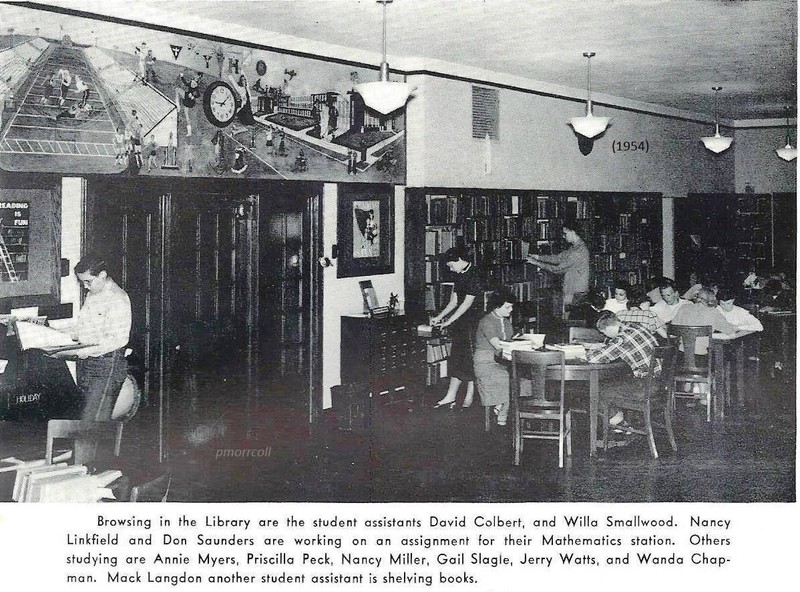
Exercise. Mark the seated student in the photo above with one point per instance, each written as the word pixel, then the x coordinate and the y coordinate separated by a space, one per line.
pixel 736 315
pixel 774 296
pixel 640 312
pixel 491 377
pixel 653 289
pixel 620 300
pixel 670 302
pixel 703 312
pixel 631 343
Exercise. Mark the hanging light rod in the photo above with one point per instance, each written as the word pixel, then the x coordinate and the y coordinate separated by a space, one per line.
pixel 716 143
pixel 384 96
pixel 787 153
pixel 589 126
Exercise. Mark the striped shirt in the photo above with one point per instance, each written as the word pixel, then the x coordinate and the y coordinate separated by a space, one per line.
pixel 647 318
pixel 105 319
pixel 634 345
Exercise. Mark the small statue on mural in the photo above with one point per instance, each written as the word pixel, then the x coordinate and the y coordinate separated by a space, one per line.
pixel 191 92
pixel 300 163
pixel 83 89
pixel 66 80
pixel 393 300
pixel 149 67
pixel 239 164
pixel 151 151
pixel 170 154
pixel 120 149
pixel 50 84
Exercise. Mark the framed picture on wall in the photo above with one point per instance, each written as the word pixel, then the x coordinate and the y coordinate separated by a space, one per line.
pixel 365 230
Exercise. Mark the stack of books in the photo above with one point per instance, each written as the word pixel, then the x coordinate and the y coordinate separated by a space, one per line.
pixel 36 481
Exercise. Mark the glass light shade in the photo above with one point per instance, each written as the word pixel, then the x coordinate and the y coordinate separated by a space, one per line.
pixel 717 143
pixel 384 96
pixel 787 153
pixel 589 126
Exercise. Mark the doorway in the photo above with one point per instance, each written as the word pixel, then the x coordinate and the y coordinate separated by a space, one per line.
pixel 221 297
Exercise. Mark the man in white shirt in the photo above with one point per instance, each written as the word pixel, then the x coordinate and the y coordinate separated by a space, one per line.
pixel 736 315
pixel 670 303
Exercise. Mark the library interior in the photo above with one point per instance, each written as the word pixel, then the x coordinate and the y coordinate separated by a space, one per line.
pixel 243 259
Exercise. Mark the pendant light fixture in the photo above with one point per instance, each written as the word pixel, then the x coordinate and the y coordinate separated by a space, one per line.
pixel 384 96
pixel 787 153
pixel 589 126
pixel 716 143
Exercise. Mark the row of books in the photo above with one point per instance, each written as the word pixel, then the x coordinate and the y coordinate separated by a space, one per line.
pixel 438 240
pixel 36 481
pixel 621 243
pixel 616 262
pixel 455 209
pixel 438 349
pixel 435 372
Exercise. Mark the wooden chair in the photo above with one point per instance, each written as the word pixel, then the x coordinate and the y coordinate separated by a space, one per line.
pixel 530 415
pixel 585 335
pixel 86 436
pixel 692 369
pixel 645 395
pixel 156 490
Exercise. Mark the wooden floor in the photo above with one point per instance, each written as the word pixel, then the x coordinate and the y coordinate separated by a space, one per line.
pixel 416 453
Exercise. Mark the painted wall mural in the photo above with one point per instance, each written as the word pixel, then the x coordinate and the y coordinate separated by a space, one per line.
pixel 85 96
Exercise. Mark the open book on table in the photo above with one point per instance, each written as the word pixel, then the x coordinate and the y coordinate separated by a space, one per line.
pixel 47 339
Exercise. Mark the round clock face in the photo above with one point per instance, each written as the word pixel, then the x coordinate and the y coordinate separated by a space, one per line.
pixel 219 103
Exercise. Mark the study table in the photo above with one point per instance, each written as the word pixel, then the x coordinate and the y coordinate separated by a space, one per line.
pixel 577 370
pixel 730 385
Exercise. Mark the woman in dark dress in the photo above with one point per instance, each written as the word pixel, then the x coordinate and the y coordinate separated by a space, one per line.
pixel 461 315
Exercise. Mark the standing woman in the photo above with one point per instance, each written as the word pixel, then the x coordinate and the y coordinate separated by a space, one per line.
pixel 464 318
pixel 491 377
pixel 105 321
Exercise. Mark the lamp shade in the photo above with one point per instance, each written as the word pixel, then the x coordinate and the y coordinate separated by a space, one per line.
pixel 716 143
pixel 787 153
pixel 589 126
pixel 384 96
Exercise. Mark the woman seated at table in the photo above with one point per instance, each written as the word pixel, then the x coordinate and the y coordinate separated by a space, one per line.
pixel 491 377
pixel 630 342
pixel 620 300
pixel 736 315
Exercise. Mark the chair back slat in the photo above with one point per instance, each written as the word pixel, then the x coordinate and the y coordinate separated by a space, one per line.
pixel 688 336
pixel 661 382
pixel 585 335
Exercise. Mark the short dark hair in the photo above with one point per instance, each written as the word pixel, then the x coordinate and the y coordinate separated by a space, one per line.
pixel 606 319
pixel 454 254
pixel 725 294
pixel 571 225
pixel 498 298
pixel 93 263
pixel 665 283
pixel 622 285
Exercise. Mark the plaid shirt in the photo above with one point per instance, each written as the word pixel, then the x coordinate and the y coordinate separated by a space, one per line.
pixel 646 318
pixel 634 344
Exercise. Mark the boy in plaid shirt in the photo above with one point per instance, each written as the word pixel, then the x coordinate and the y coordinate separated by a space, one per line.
pixel 632 343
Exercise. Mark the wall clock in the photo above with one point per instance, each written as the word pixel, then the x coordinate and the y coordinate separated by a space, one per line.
pixel 261 67
pixel 220 103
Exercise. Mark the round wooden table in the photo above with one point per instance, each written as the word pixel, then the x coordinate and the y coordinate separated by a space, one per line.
pixel 582 371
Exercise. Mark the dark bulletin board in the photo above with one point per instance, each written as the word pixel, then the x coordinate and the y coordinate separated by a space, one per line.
pixel 37 273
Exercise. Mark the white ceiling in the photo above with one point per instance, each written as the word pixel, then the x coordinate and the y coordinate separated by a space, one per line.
pixel 667 52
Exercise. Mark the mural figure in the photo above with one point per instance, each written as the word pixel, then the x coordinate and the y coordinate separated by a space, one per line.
pixel 191 92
